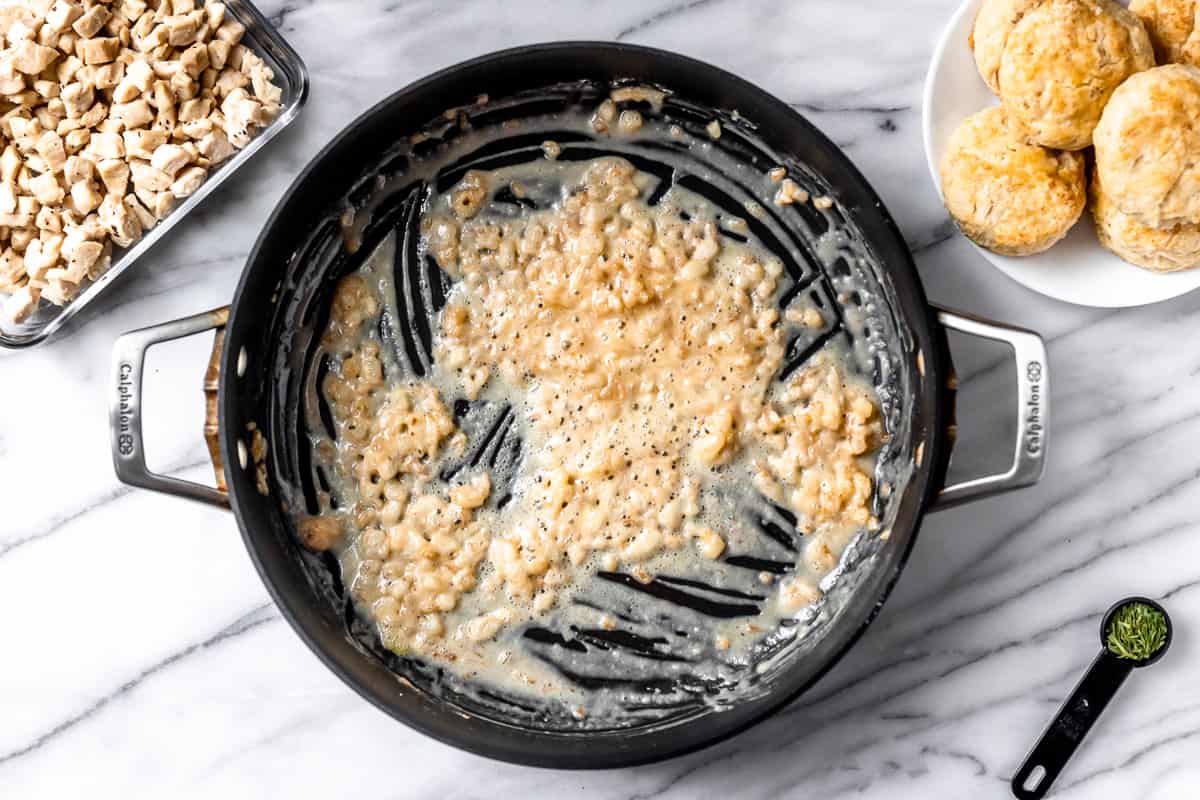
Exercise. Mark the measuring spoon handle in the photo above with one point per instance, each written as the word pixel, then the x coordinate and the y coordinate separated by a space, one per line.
pixel 1066 731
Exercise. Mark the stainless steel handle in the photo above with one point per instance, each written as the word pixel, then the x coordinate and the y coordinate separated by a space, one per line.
pixel 1033 410
pixel 125 412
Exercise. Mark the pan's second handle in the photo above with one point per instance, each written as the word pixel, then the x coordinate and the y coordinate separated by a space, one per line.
pixel 1033 410
pixel 125 412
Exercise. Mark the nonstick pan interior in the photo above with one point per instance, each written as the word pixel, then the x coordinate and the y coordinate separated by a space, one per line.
pixel 829 256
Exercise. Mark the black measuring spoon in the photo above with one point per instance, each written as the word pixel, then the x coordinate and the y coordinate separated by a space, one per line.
pixel 1081 709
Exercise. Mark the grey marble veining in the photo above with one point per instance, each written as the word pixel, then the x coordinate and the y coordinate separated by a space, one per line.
pixel 141 656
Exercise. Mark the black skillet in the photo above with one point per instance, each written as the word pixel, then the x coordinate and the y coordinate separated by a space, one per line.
pixel 282 299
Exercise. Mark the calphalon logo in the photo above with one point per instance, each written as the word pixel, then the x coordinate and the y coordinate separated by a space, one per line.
pixel 1033 409
pixel 124 409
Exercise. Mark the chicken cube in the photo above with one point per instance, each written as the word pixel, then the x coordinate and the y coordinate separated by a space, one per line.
pixel 46 188
pixel 163 203
pixel 48 219
pixel 48 116
pixel 8 197
pixel 50 148
pixel 140 74
pixel 194 109
pixel 156 38
pixel 130 10
pixel 42 255
pixel 81 256
pixel 170 158
pixel 181 30
pixel 108 145
pixel 194 60
pixel 147 176
pixel 63 14
pixel 143 143
pixel 78 169
pixel 91 21
pixel 216 15
pixel 132 115
pixel 98 50
pixel 77 99
pixel 197 129
pixel 10 164
pixel 59 290
pixel 109 75
pixel 31 58
pixel 21 304
pixel 218 53
pixel 215 146
pixel 12 84
pixel 84 197
pixel 122 226
pixel 67 69
pixel 230 31
pixel 229 81
pixel 92 117
pixel 12 269
pixel 114 174
pixel 76 140
pixel 21 30
pixel 145 217
pixel 188 182
pixel 46 89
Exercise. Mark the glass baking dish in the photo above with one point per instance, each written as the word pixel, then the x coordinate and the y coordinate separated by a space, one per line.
pixel 290 75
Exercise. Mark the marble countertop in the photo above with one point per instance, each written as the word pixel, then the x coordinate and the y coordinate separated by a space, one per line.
pixel 142 657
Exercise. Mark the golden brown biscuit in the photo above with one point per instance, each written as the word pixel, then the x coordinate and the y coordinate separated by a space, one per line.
pixel 1154 249
pixel 1009 196
pixel 1174 27
pixel 1148 146
pixel 1061 63
pixel 993 24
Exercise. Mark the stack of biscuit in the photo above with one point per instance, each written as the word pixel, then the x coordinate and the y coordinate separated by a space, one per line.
pixel 1072 75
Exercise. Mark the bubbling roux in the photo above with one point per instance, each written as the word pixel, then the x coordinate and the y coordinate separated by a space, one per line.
pixel 639 351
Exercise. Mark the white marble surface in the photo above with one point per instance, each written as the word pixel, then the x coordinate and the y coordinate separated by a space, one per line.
pixel 141 657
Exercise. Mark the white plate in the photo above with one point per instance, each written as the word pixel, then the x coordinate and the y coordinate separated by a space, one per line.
pixel 1076 270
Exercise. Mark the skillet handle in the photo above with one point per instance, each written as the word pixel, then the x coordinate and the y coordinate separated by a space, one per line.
pixel 125 411
pixel 1033 410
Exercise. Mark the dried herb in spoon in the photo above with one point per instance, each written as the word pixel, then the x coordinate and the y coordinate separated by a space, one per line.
pixel 1137 631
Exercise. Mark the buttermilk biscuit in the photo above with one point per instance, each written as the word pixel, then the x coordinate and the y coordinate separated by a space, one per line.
pixel 1009 196
pixel 993 24
pixel 1061 63
pixel 1174 27
pixel 1154 249
pixel 1148 146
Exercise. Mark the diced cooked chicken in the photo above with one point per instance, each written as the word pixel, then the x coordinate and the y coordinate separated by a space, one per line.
pixel 187 182
pixel 84 197
pixel 89 23
pixel 135 114
pixel 99 51
pixel 114 111
pixel 122 226
pixel 32 58
pixel 50 148
pixel 170 158
pixel 21 304
pixel 46 188
pixel 215 146
pixel 77 99
pixel 114 173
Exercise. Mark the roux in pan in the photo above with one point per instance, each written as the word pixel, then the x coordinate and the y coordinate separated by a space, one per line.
pixel 608 387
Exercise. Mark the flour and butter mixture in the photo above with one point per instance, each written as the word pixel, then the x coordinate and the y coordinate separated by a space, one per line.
pixel 636 360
